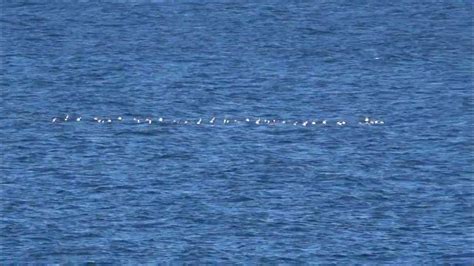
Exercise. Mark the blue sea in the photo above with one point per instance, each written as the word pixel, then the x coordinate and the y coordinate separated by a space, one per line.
pixel 104 160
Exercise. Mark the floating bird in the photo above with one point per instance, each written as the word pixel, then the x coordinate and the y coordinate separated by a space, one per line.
pixel 366 120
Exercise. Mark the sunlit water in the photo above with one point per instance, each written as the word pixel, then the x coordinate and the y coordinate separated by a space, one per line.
pixel 125 191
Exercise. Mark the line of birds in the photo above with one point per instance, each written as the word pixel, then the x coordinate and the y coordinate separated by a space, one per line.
pixel 213 120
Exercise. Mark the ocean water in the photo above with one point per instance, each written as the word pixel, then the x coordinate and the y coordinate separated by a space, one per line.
pixel 397 193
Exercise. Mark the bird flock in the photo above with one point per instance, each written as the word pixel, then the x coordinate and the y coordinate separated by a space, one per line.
pixel 216 121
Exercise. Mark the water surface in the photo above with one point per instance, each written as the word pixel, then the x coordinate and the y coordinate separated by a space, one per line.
pixel 401 193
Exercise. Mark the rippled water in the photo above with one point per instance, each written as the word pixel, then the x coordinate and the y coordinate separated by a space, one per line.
pixel 401 193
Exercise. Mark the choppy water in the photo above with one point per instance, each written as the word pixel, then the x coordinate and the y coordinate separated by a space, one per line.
pixel 397 193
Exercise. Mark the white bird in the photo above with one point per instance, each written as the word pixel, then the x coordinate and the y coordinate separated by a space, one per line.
pixel 109 120
pixel 324 122
pixel 366 120
pixel 247 120
pixel 54 120
pixel 305 123
pixel 295 123
pixel 119 118
pixel 67 118
pixel 212 120
pixel 313 123
pixel 160 119
pixel 149 121
pixel 96 118
pixel 257 122
pixel 78 119
pixel 199 121
pixel 283 122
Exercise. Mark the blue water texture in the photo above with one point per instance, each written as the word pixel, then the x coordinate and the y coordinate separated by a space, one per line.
pixel 396 194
